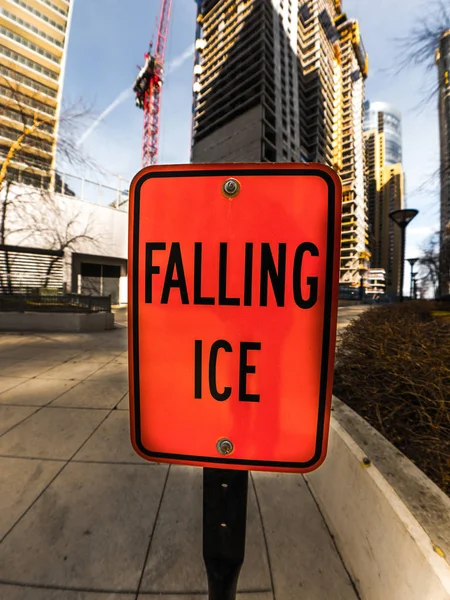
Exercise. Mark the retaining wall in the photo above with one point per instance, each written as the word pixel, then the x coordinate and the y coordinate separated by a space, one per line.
pixel 390 523
pixel 62 322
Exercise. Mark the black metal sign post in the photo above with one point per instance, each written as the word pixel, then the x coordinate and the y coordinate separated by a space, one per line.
pixel 224 525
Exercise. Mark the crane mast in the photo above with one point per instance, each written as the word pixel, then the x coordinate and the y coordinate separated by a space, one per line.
pixel 148 84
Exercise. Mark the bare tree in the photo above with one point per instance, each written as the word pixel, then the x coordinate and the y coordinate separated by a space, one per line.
pixel 418 47
pixel 39 219
pixel 429 265
pixel 36 218
pixel 32 126
pixel 435 263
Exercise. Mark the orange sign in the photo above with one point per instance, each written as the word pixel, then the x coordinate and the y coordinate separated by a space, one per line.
pixel 233 284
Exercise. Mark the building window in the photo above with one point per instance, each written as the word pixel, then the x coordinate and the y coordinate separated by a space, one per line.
pixel 55 7
pixel 28 62
pixel 40 15
pixel 28 44
pixel 31 83
pixel 32 28
pixel 304 13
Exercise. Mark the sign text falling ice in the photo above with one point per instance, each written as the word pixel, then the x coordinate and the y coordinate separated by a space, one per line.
pixel 272 272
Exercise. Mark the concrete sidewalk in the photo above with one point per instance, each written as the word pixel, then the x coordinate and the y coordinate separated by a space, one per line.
pixel 82 517
pixel 347 313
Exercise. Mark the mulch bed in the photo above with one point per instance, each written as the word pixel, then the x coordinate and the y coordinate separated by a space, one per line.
pixel 393 368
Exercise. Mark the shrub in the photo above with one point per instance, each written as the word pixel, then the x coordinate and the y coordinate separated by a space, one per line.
pixel 393 368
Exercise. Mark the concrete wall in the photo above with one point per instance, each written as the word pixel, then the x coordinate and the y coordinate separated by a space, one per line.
pixel 237 141
pixel 65 322
pixel 38 219
pixel 75 272
pixel 392 534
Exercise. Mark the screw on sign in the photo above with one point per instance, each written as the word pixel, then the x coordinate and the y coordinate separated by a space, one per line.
pixel 233 294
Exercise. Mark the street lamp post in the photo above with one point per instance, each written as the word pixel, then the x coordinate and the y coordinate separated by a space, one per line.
pixel 414 286
pixel 412 262
pixel 403 218
pixel 363 257
pixel 361 284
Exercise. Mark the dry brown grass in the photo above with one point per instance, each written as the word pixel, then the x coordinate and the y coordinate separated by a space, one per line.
pixel 393 368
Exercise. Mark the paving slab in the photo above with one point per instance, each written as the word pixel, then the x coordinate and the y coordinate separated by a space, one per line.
pixel 6 383
pixel 250 596
pixel 68 341
pixel 12 415
pixel 54 352
pixel 112 372
pixel 11 338
pixel 124 404
pixel 20 351
pixel 93 394
pixel 117 344
pixel 36 392
pixel 303 558
pixel 90 529
pixel 7 362
pixel 65 350
pixel 97 355
pixel 54 433
pixel 29 368
pixel 21 482
pixel 175 563
pixel 64 346
pixel 121 359
pixel 15 592
pixel 72 370
pixel 117 338
pixel 111 442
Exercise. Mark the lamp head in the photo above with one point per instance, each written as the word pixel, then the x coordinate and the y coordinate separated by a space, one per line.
pixel 412 261
pixel 403 216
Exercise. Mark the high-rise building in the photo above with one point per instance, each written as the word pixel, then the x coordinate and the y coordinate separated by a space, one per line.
pixel 355 241
pixel 283 80
pixel 33 42
pixel 375 283
pixel 385 188
pixel 381 115
pixel 443 62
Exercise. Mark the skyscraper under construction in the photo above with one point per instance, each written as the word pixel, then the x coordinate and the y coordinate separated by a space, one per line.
pixel 283 80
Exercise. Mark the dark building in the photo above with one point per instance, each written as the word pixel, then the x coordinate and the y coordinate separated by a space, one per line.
pixel 443 63
pixel 283 81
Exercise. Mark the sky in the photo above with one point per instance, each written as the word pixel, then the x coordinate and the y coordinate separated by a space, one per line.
pixel 107 42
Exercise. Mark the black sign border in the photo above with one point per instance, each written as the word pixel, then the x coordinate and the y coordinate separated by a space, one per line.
pixel 236 171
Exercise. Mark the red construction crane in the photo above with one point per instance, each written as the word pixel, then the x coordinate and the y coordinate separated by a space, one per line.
pixel 147 87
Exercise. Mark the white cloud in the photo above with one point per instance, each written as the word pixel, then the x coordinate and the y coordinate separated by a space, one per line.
pixel 421 231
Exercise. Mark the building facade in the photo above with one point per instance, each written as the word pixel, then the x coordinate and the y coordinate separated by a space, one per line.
pixel 33 44
pixel 375 283
pixel 354 241
pixel 443 63
pixel 64 242
pixel 384 187
pixel 381 115
pixel 283 81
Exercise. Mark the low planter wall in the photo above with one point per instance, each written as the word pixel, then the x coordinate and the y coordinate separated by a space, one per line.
pixel 62 322
pixel 391 524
